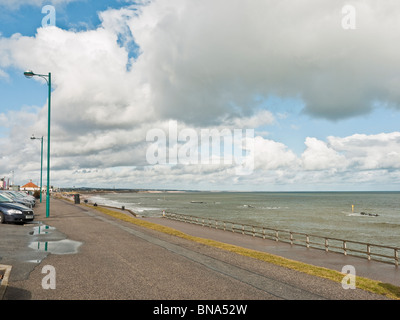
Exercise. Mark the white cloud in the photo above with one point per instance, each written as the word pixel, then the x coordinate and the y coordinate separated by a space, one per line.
pixel 201 63
pixel 202 55
pixel 319 156
pixel 208 64
pixel 259 119
pixel 272 155
pixel 359 152
pixel 370 152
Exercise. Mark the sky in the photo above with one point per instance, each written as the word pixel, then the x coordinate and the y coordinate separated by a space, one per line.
pixel 290 95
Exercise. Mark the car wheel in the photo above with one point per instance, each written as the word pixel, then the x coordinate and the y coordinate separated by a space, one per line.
pixel 1 217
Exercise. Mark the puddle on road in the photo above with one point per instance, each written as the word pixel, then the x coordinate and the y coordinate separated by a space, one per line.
pixel 65 246
pixel 42 229
pixel 34 261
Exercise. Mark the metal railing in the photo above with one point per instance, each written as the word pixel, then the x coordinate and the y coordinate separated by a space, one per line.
pixel 382 253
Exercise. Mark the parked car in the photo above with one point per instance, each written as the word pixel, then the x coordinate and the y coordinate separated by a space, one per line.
pixel 26 196
pixel 14 212
pixel 19 198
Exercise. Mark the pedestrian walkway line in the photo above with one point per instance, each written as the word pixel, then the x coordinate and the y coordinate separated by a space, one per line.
pixel 5 272
pixel 378 287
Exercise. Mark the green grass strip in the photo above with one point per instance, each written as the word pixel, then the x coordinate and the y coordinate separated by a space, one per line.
pixel 385 289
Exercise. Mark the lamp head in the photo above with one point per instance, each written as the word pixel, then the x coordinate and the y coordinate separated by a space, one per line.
pixel 29 73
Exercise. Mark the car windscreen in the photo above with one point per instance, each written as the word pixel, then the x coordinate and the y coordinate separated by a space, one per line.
pixel 17 195
pixel 10 194
pixel 4 199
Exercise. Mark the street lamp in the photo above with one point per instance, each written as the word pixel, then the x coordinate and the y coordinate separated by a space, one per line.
pixel 29 74
pixel 41 163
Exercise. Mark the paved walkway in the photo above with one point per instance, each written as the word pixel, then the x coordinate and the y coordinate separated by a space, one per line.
pixel 95 256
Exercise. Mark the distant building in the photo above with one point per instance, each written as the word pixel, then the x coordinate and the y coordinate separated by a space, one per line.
pixel 52 189
pixel 30 186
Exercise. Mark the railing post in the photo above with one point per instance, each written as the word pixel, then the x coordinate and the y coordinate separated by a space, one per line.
pixel 263 233
pixel 326 245
pixel 291 238
pixel 242 229
pixel 276 236
pixel 308 241
pixel 369 251
pixel 396 257
pixel 254 234
pixel 344 248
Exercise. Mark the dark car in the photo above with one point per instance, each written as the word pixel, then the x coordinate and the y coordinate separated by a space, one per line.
pixel 14 212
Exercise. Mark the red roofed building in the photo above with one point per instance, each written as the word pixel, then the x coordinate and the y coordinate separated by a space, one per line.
pixel 30 186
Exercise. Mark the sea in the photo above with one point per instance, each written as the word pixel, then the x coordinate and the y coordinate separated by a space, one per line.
pixel 372 217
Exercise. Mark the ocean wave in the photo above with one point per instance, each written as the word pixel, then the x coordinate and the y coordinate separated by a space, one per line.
pixel 359 214
pixel 135 207
pixel 260 208
pixel 354 214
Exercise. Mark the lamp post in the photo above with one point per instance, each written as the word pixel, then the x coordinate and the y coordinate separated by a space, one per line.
pixel 29 74
pixel 41 163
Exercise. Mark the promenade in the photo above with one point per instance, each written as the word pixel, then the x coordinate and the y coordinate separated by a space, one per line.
pixel 380 271
pixel 98 257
